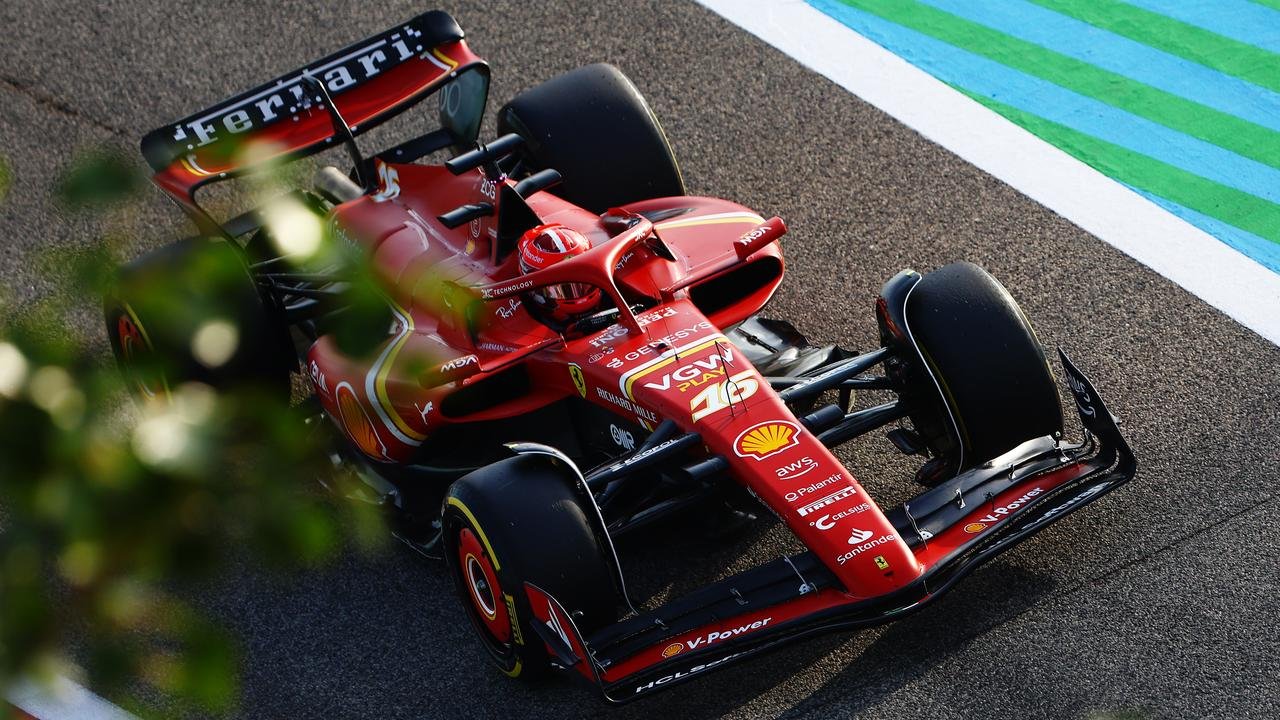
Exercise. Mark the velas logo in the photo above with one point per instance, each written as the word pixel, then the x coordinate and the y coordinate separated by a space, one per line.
pixel 766 439
pixel 673 649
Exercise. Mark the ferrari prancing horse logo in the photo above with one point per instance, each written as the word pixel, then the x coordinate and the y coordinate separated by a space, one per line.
pixel 579 381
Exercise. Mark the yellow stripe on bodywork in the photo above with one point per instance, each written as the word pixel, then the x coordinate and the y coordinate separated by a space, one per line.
pixel 380 381
pixel 658 365
pixel 742 218
pixel 453 64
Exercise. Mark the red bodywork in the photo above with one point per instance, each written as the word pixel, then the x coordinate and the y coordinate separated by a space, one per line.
pixel 460 320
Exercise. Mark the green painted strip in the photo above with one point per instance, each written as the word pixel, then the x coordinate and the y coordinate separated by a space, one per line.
pixel 1273 4
pixel 1245 211
pixel 1175 37
pixel 1222 129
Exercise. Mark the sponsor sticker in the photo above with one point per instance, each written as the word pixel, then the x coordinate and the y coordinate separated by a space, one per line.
pixel 795 468
pixel 835 497
pixel 858 535
pixel 622 438
pixel 766 439
pixel 828 521
pixel 999 513
pixel 862 547
pixel 673 649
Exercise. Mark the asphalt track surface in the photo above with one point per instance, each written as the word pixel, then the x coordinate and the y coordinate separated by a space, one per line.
pixel 1157 601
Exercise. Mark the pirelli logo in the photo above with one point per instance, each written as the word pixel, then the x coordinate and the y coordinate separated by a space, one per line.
pixel 826 500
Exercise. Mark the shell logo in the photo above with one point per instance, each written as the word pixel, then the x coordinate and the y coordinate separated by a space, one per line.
pixel 357 424
pixel 975 527
pixel 768 438
pixel 673 649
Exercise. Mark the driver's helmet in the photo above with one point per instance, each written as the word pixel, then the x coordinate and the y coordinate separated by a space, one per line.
pixel 546 245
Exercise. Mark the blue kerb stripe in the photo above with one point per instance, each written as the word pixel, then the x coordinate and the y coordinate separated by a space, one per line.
pixel 1247 22
pixel 1059 105
pixel 1261 250
pixel 1120 55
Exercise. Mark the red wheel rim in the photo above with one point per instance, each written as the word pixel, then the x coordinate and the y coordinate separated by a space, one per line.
pixel 481 581
pixel 135 351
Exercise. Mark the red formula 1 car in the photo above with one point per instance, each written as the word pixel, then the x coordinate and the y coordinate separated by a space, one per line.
pixel 574 352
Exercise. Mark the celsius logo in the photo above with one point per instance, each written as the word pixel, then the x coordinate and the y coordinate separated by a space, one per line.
pixel 858 536
pixel 826 522
pixel 795 469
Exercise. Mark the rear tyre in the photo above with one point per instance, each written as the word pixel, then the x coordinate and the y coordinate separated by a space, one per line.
pixel 595 127
pixel 515 521
pixel 190 312
pixel 994 389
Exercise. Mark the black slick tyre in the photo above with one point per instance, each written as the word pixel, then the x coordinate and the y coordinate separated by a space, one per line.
pixel 190 311
pixel 993 386
pixel 595 127
pixel 515 521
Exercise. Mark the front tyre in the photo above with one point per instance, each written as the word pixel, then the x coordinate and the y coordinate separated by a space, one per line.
pixel 979 378
pixel 515 521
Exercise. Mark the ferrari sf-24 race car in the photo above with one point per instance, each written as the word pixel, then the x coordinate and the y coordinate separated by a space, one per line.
pixel 575 353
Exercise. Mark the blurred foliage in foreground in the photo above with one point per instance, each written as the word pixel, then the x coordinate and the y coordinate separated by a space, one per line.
pixel 109 510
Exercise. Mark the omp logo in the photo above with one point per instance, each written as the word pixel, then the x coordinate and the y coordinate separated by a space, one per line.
pixel 288 97
pixel 795 469
pixel 768 438
pixel 999 513
pixel 696 373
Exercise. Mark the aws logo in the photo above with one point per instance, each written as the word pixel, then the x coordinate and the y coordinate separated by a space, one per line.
pixel 795 469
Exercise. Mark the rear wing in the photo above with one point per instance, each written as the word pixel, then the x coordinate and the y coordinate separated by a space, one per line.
pixel 369 82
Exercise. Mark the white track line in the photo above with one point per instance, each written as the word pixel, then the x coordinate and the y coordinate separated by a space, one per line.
pixel 1181 252
pixel 62 699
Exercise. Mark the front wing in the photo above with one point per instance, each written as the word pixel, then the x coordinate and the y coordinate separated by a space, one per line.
pixel 797 597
